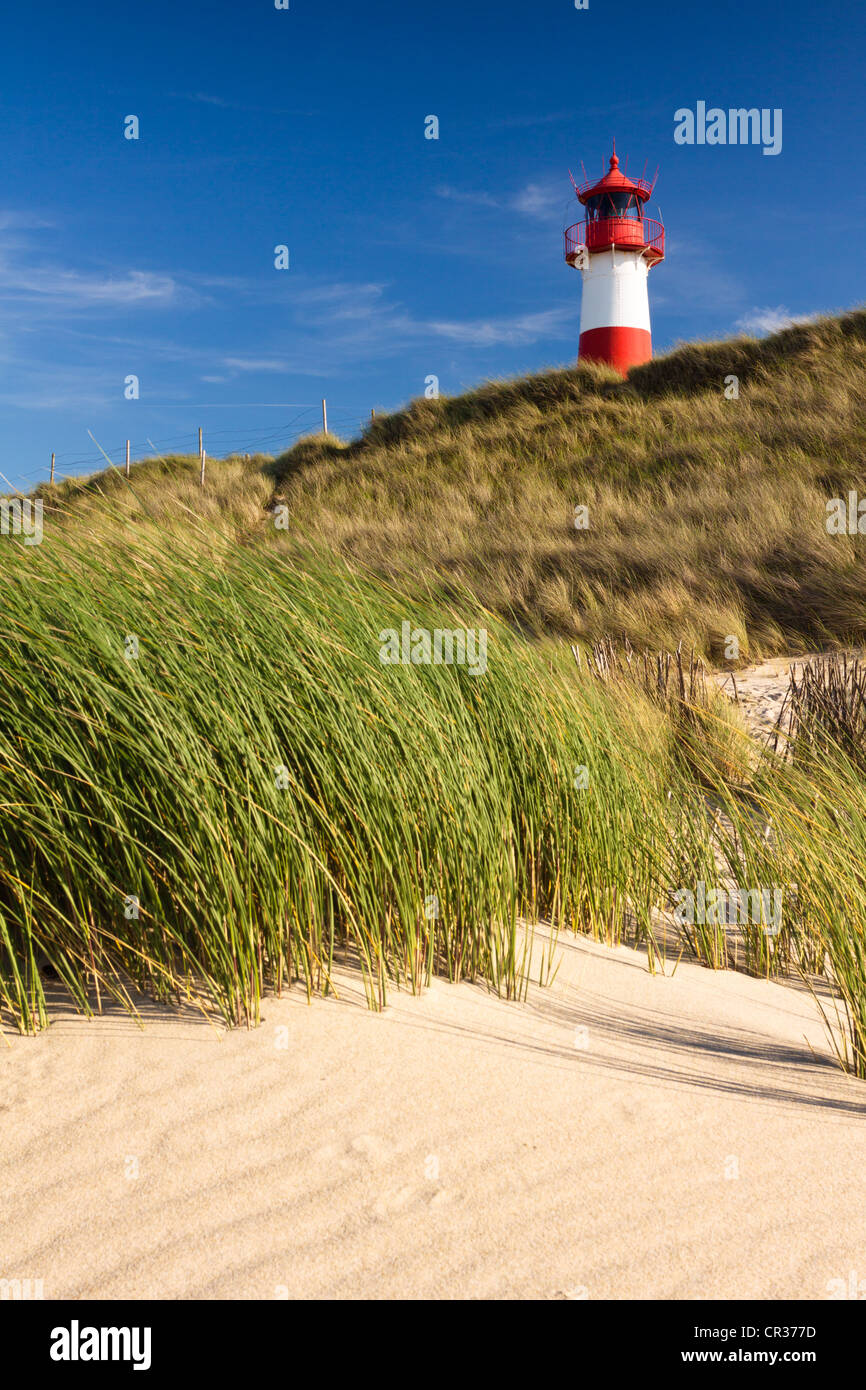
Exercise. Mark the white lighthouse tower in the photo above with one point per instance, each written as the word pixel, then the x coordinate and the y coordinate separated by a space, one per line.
pixel 614 249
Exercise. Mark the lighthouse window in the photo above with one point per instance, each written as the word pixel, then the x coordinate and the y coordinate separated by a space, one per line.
pixel 618 204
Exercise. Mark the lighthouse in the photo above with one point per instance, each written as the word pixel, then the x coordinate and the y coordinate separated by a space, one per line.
pixel 614 249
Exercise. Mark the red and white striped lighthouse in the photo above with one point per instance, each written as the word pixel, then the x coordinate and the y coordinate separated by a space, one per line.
pixel 614 250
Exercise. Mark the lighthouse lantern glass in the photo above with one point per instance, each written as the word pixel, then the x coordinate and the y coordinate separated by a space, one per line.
pixel 614 204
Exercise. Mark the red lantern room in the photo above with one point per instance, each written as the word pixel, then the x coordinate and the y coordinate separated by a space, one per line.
pixel 615 217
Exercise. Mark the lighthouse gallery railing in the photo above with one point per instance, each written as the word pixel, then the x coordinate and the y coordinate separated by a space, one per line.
pixel 616 231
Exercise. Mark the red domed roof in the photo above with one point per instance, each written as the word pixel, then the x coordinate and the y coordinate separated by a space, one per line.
pixel 614 180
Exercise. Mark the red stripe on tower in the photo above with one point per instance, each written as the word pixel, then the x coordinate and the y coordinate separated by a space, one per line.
pixel 621 347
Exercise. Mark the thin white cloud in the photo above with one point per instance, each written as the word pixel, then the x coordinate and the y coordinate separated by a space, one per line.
pixel 206 99
pixel 514 331
pixel 539 200
pixel 32 279
pixel 525 122
pixel 64 387
pixel 554 117
pixel 466 195
pixel 336 326
pixel 340 291
pixel 360 318
pixel 341 301
pixel 771 320
pixel 14 220
pixel 533 200
pixel 73 289
pixel 253 364
pixel 693 279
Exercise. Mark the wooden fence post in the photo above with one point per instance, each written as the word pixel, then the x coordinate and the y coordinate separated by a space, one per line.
pixel 52 468
pixel 324 416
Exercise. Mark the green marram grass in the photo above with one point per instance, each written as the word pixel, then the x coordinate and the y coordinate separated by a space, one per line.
pixel 802 830
pixel 254 795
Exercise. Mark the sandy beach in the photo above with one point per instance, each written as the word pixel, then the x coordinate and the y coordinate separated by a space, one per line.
pixel 617 1136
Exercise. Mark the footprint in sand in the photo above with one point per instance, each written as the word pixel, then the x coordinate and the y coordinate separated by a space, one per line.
pixel 377 1153
pixel 413 1195
pixel 346 1155
pixel 377 1150
pixel 329 1153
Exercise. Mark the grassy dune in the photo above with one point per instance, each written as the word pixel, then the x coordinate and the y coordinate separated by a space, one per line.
pixel 706 515
pixel 211 786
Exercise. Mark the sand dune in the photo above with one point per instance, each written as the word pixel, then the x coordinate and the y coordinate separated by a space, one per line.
pixel 617 1136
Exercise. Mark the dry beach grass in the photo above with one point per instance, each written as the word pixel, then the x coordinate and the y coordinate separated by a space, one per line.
pixel 706 514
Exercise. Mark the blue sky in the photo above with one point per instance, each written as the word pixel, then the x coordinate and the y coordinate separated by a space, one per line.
pixel 408 257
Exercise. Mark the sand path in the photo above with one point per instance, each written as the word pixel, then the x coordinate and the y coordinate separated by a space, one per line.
pixel 761 688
